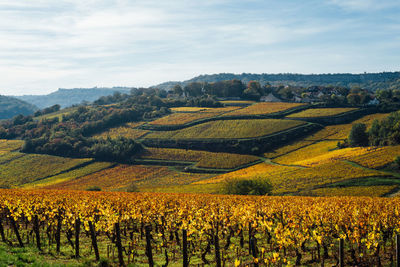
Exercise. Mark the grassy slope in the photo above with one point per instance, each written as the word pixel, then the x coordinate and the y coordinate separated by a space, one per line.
pixel 306 166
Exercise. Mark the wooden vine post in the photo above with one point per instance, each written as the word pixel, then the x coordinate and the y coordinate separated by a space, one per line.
pixel 119 245
pixel 36 230
pixel 398 250
pixel 58 233
pixel 217 250
pixel 77 232
pixel 341 252
pixel 15 227
pixel 149 252
pixel 94 240
pixel 184 248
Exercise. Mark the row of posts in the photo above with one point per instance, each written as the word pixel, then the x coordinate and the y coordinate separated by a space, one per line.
pixel 149 253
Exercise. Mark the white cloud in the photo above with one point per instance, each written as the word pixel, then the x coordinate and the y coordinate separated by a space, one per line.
pixel 48 44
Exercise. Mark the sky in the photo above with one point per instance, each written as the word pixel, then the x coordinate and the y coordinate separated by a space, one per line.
pixel 51 44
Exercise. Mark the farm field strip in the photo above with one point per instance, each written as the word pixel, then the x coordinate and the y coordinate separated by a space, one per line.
pixel 128 130
pixel 204 159
pixel 342 131
pixel 307 152
pixel 121 176
pixel 10 145
pixel 264 108
pixel 293 179
pixel 70 175
pixel 228 129
pixel 370 191
pixel 320 112
pixel 33 167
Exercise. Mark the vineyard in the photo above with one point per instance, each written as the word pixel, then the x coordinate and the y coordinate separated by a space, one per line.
pixel 264 109
pixel 226 129
pixel 124 175
pixel 188 229
pixel 16 170
pixel 204 159
pixel 127 130
pixel 320 112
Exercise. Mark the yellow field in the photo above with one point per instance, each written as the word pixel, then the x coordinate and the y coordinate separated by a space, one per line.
pixel 369 191
pixel 10 145
pixel 225 161
pixel 174 154
pixel 342 131
pixel 264 108
pixel 227 129
pixel 188 109
pixel 9 156
pixel 33 167
pixel 121 176
pixel 307 152
pixel 377 157
pixel 293 179
pixel 205 159
pixel 286 149
pixel 58 114
pixel 237 102
pixel 127 130
pixel 261 169
pixel 183 118
pixel 320 112
pixel 73 174
pixel 201 109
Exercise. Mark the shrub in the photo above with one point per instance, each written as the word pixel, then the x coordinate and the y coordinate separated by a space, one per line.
pixel 358 135
pixel 132 188
pixel 397 161
pixel 93 188
pixel 256 186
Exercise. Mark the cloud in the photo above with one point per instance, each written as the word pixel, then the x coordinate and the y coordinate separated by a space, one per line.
pixel 67 43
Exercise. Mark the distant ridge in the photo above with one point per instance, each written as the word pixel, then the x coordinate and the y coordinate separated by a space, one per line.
pixel 69 97
pixel 11 106
pixel 371 81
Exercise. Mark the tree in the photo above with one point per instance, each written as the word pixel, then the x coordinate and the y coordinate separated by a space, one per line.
pixel 255 186
pixel 177 89
pixel 358 135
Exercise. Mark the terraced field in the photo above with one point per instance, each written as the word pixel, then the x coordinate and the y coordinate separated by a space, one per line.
pixel 264 108
pixel 70 175
pixel 342 131
pixel 204 159
pixel 10 145
pixel 128 130
pixel 286 179
pixel 183 118
pixel 310 151
pixel 32 167
pixel 228 129
pixel 371 191
pixel 121 176
pixel 320 112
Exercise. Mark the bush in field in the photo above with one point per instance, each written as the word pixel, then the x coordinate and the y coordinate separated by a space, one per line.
pixel 358 135
pixel 93 188
pixel 397 161
pixel 256 186
pixel 132 188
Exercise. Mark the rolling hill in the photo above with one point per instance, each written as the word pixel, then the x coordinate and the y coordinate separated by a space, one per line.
pixel 69 97
pixel 370 81
pixel 187 151
pixel 10 107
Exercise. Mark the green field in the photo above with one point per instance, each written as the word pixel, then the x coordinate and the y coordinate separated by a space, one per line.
pixel 228 129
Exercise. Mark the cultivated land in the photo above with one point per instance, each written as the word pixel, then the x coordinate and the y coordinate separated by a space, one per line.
pixel 307 165
pixel 58 225
pixel 311 164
